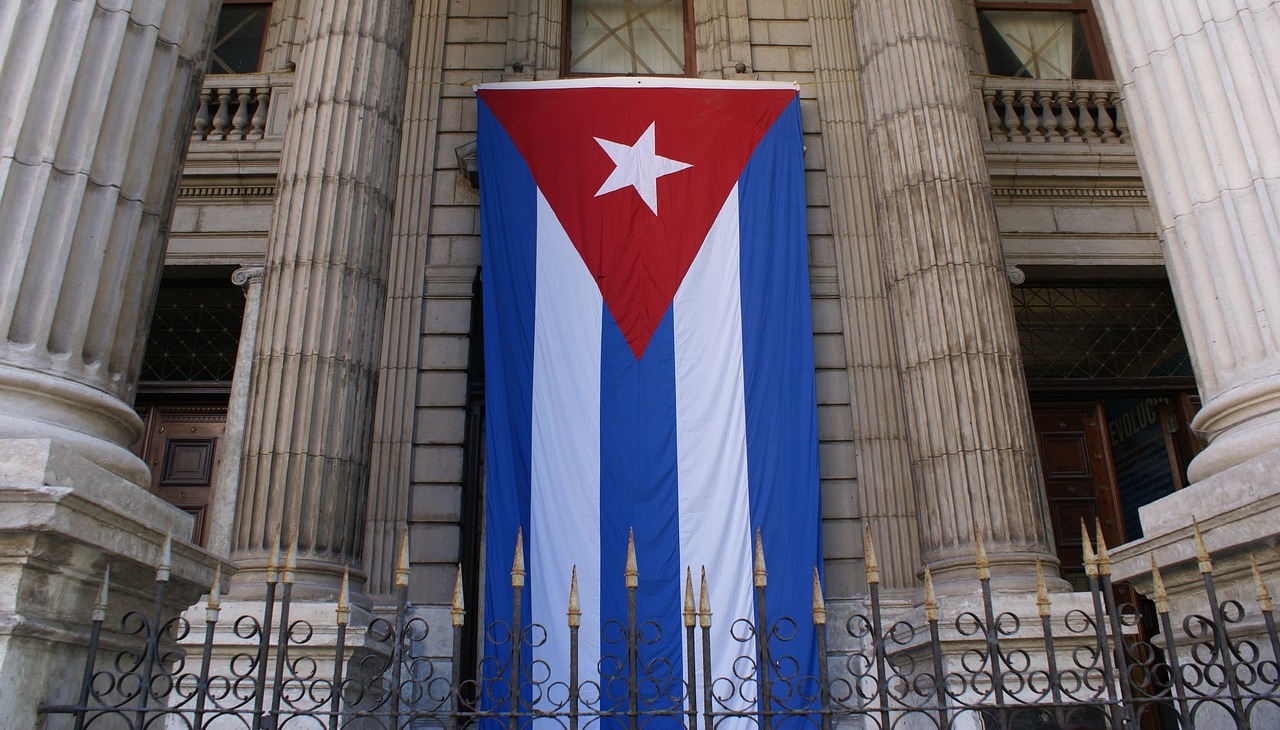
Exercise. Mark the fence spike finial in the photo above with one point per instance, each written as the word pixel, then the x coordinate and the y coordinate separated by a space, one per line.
pixel 689 612
pixel 704 602
pixel 980 548
pixel 1104 557
pixel 575 608
pixel 402 561
pixel 166 559
pixel 1264 596
pixel 1086 547
pixel 869 551
pixel 344 597
pixel 1202 551
pixel 759 574
pixel 930 597
pixel 1042 590
pixel 458 611
pixel 517 564
pixel 632 573
pixel 819 605
pixel 1157 586
pixel 291 559
pixel 100 605
pixel 273 563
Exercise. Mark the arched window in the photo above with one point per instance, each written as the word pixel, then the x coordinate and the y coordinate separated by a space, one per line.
pixel 1042 40
pixel 640 37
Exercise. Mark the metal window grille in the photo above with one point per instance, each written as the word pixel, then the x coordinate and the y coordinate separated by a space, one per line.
pixel 1100 332
pixel 194 333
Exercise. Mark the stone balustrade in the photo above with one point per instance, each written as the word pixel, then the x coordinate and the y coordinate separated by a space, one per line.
pixel 1052 111
pixel 240 107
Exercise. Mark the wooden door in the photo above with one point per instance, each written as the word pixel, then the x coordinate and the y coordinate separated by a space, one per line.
pixel 180 445
pixel 1080 481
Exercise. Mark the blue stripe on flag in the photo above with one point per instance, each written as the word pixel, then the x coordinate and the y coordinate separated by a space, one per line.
pixel 508 257
pixel 639 491
pixel 782 420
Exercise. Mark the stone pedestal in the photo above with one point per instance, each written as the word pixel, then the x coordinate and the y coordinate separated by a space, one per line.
pixel 1237 512
pixel 63 520
pixel 968 420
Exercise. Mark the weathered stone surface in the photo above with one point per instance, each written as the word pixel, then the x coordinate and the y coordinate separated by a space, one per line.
pixel 968 420
pixel 324 292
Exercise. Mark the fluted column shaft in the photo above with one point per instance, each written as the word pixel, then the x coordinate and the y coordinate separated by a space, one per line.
pixel 99 99
pixel 389 476
pixel 968 420
pixel 884 465
pixel 316 358
pixel 1201 85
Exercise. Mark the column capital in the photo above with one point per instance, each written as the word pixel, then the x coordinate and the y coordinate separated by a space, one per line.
pixel 248 275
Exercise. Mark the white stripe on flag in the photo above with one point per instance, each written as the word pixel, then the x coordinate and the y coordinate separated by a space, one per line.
pixel 565 490
pixel 711 433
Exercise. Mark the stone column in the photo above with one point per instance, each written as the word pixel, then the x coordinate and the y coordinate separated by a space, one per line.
pixel 1200 84
pixel 284 38
pixel 90 150
pixel 884 465
pixel 223 510
pixel 968 420
pixel 393 430
pixel 315 362
pixel 99 100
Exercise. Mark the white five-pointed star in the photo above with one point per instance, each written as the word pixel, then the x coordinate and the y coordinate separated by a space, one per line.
pixel 638 166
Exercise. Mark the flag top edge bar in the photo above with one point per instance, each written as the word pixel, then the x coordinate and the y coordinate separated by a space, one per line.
pixel 619 82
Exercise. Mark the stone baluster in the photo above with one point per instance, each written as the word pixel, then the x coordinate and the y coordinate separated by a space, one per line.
pixel 1084 115
pixel 1030 120
pixel 240 122
pixel 995 130
pixel 222 117
pixel 1048 117
pixel 973 458
pixel 258 126
pixel 1067 118
pixel 1200 89
pixel 324 291
pixel 201 126
pixel 1012 121
pixel 1122 123
pixel 1100 102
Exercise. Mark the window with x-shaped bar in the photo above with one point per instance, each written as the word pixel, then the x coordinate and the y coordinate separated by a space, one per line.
pixel 238 42
pixel 1042 40
pixel 640 37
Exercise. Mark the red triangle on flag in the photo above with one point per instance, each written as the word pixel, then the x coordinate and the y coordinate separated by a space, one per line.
pixel 638 257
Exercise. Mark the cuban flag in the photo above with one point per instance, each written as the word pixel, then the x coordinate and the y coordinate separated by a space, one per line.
pixel 649 371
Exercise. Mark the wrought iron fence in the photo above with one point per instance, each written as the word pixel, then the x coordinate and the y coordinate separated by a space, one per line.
pixel 1078 669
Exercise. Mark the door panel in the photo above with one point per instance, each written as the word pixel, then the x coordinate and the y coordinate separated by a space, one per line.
pixel 180 445
pixel 1079 479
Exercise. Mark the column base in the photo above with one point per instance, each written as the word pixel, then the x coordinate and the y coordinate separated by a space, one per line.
pixel 1241 424
pixel 63 519
pixel 88 421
